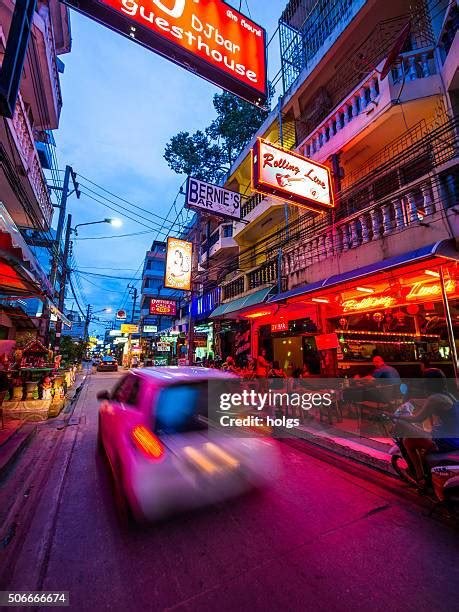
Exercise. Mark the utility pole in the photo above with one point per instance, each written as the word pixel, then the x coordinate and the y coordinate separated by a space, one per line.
pixel 69 174
pixel 86 323
pixel 65 272
pixel 134 294
pixel 194 260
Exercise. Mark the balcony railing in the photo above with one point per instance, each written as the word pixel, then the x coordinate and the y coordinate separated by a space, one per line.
pixel 250 204
pixel 51 52
pixel 23 136
pixel 262 276
pixel 410 66
pixel 409 208
pixel 234 289
pixel 449 30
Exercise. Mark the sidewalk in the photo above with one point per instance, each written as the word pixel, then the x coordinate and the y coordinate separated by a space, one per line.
pixel 13 439
pixel 371 451
pixel 17 433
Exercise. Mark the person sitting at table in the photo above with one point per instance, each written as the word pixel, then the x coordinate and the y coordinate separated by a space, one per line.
pixel 382 370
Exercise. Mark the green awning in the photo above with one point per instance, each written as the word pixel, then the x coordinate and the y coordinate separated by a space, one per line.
pixel 258 297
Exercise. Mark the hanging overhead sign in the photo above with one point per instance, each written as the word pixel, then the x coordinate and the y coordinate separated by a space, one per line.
pixel 206 37
pixel 178 264
pixel 121 315
pixel 292 177
pixel 162 307
pixel 150 329
pixel 128 328
pixel 212 199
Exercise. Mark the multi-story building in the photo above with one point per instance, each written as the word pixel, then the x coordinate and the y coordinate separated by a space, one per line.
pixel 368 271
pixel 24 152
pixel 153 288
pixel 78 325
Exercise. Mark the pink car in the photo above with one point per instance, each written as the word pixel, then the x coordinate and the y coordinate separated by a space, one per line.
pixel 154 429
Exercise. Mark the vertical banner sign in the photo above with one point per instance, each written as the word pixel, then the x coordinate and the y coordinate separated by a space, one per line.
pixel 207 37
pixel 291 177
pixel 178 264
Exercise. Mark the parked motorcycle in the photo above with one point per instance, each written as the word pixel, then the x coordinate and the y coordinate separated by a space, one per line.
pixel 441 470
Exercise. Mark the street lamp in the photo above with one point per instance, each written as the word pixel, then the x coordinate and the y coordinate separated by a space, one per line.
pixel 114 222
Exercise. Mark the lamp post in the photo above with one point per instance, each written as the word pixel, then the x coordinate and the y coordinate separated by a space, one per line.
pixel 114 222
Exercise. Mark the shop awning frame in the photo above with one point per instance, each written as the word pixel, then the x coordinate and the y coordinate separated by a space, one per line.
pixel 18 255
pixel 241 304
pixel 445 249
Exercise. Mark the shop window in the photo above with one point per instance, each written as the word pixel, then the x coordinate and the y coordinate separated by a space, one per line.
pixel 227 231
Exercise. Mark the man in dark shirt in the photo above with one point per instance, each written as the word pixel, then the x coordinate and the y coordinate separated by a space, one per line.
pixel 382 370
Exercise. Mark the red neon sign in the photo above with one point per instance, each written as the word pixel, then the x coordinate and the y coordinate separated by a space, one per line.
pixel 207 37
pixel 162 307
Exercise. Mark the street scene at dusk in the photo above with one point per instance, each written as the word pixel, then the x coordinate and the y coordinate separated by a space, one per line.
pixel 229 306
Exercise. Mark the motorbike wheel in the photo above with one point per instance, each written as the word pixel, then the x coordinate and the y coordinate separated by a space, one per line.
pixel 402 470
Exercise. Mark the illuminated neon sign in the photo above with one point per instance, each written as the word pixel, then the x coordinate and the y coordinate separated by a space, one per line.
pixel 279 327
pixel 209 38
pixel 368 303
pixel 291 176
pixel 429 290
pixel 257 315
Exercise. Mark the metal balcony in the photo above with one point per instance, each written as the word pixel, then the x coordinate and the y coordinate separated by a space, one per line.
pixel 413 77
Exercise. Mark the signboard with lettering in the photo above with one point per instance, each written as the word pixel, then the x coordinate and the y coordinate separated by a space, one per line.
pixel 178 264
pixel 208 38
pixel 325 342
pixel 368 303
pixel 163 347
pixel 150 329
pixel 121 314
pixel 279 327
pixel 127 328
pixel 162 307
pixel 291 177
pixel 212 199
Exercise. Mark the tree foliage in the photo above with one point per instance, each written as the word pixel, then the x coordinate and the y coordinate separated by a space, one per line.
pixel 208 154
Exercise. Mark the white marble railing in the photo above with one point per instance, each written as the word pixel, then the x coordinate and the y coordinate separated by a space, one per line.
pixel 411 66
pixel 22 134
pixel 382 220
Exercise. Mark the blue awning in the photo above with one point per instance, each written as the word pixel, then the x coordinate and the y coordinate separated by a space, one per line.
pixel 258 297
pixel 444 248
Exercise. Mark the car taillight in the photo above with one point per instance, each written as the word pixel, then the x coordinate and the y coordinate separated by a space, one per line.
pixel 147 442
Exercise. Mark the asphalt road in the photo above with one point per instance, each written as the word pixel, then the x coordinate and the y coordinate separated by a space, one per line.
pixel 319 539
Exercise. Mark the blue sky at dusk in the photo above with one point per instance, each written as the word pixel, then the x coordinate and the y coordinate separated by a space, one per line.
pixel 122 104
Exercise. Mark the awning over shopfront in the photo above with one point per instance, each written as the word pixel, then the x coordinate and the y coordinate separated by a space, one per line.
pixel 20 272
pixel 229 308
pixel 445 249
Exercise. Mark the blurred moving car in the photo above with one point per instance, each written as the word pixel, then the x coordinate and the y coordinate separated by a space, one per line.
pixel 107 364
pixel 154 429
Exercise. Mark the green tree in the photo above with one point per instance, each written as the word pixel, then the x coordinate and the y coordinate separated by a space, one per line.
pixel 208 154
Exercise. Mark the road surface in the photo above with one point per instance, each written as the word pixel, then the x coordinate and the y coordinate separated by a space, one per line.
pixel 321 538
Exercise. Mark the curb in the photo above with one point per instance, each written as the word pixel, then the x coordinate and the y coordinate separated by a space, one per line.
pixel 348 450
pixel 12 448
